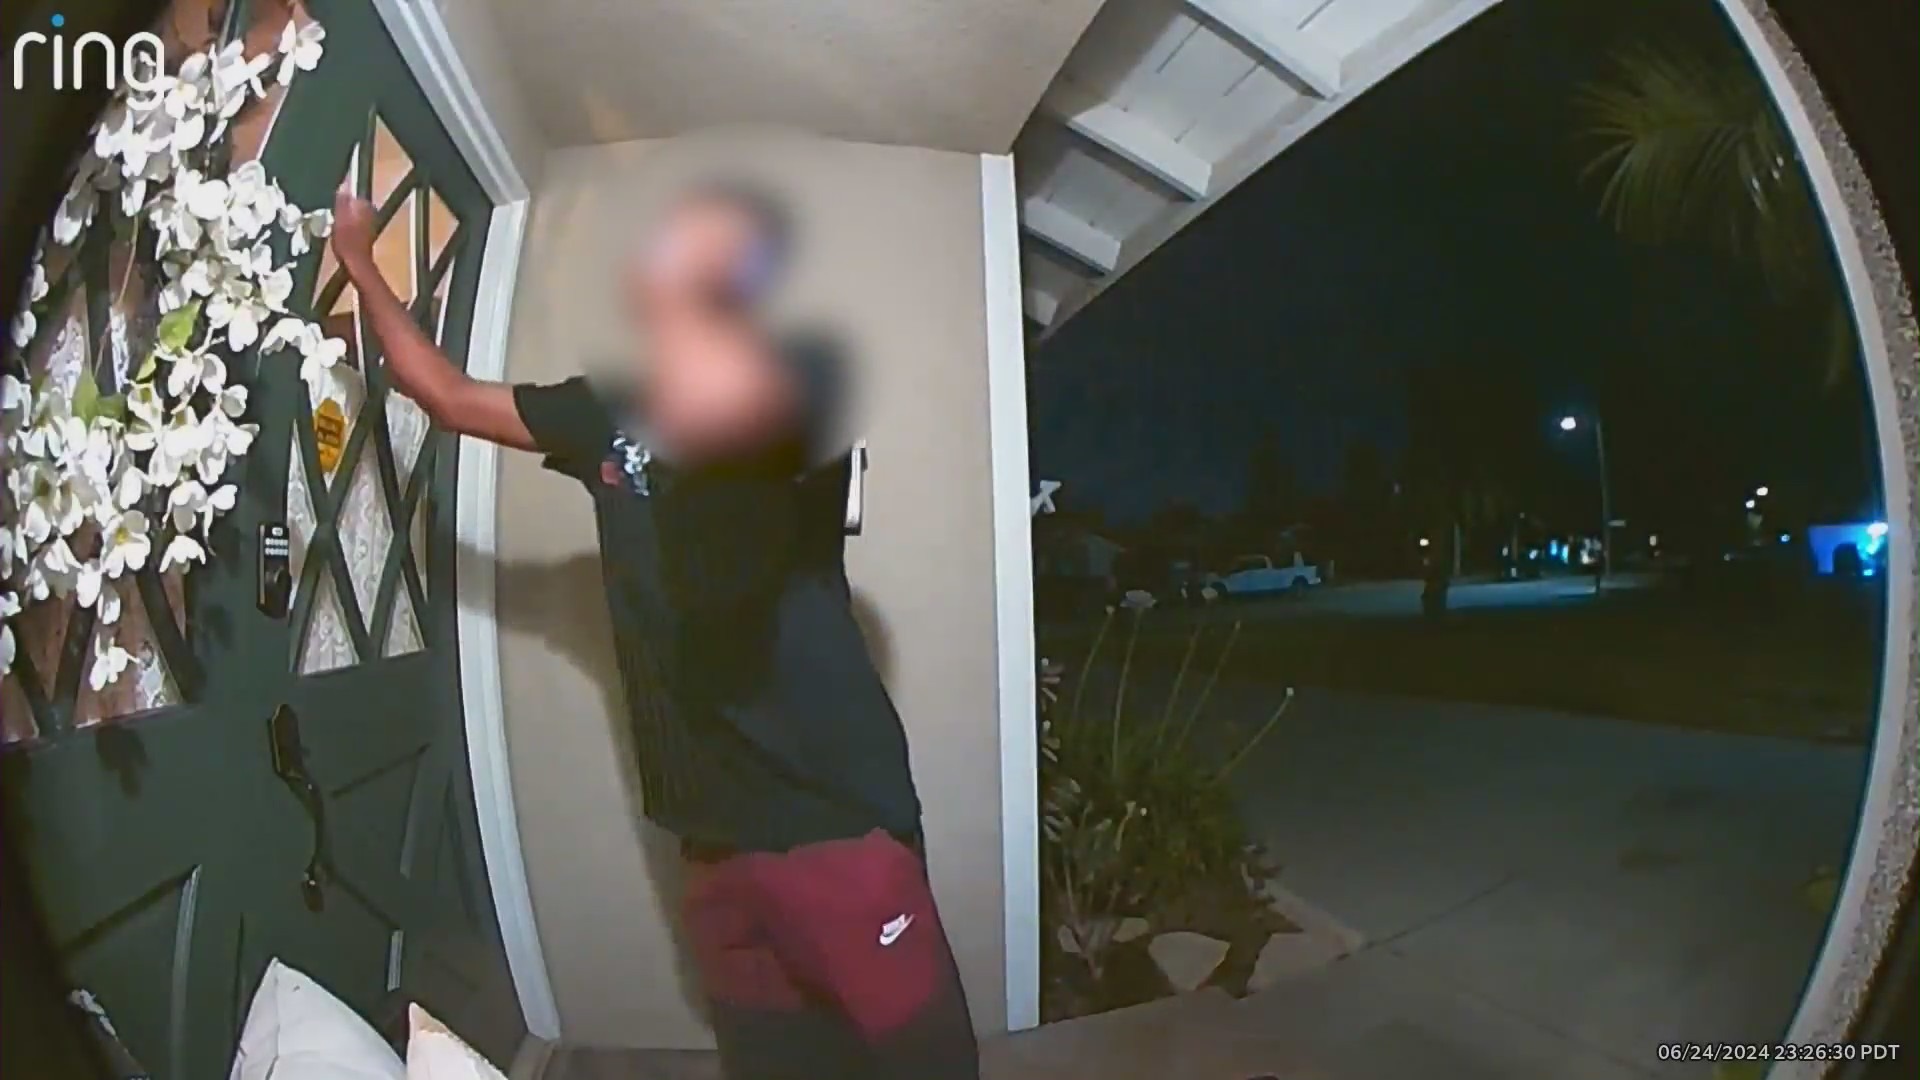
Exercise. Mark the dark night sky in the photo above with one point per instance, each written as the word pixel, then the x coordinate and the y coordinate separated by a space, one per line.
pixel 1438 220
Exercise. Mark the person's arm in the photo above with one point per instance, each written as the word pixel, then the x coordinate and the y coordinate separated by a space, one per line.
pixel 450 398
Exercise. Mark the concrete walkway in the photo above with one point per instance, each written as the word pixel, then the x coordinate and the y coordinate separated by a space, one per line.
pixel 1543 895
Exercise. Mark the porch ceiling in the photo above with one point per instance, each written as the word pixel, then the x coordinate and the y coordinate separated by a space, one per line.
pixel 1165 105
pixel 948 74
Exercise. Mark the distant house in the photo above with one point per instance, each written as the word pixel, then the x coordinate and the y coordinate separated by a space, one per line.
pixel 1866 540
pixel 1074 552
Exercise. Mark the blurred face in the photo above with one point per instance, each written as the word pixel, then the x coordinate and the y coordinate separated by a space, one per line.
pixel 696 252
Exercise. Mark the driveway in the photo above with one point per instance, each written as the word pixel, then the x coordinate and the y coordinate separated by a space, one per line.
pixel 1543 895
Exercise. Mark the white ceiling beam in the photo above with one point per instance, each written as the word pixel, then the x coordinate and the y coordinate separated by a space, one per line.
pixel 1128 137
pixel 1041 305
pixel 1087 245
pixel 1274 38
pixel 1231 170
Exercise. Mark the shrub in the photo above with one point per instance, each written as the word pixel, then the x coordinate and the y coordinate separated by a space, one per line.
pixel 1136 820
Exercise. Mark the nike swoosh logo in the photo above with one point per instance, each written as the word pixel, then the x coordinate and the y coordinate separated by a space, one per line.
pixel 891 932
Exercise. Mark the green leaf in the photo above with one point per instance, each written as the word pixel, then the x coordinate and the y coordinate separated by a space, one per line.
pixel 86 397
pixel 147 367
pixel 112 407
pixel 176 327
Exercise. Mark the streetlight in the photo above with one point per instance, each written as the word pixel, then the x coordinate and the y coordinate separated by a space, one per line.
pixel 1760 492
pixel 1570 423
pixel 1751 504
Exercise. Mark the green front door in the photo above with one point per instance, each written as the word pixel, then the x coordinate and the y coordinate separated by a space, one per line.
pixel 289 787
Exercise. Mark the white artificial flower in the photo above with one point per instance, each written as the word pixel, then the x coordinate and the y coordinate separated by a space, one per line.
pixel 175 222
pixel 109 660
pixel 125 544
pixel 129 486
pixel 107 607
pixel 112 130
pixel 55 503
pixel 318 355
pixel 300 49
pixel 257 262
pixel 187 134
pixel 243 329
pixel 178 445
pixel 276 288
pixel 185 503
pixel 8 648
pixel 149 416
pixel 194 370
pixel 231 401
pixel 54 573
pixel 47 407
pixel 203 198
pixel 37 282
pixel 256 201
pixel 23 328
pixel 90 465
pixel 195 73
pixel 204 276
pixel 191 505
pixel 285 332
pixel 74 215
pixel 86 583
pixel 16 403
pixel 225 440
pixel 133 196
pixel 181 550
pixel 234 77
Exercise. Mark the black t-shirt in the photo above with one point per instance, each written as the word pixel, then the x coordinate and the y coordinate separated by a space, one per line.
pixel 759 719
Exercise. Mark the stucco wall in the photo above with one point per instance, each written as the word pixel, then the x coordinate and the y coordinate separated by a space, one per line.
pixel 891 249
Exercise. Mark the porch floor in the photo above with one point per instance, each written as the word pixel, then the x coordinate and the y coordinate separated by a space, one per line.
pixel 1202 1036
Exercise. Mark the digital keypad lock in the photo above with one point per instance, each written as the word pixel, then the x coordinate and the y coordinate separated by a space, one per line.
pixel 275 571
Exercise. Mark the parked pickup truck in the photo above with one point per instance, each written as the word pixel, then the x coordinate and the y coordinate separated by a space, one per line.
pixel 1255 575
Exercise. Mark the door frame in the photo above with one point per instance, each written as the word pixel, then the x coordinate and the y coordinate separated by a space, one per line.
pixel 1017 653
pixel 428 48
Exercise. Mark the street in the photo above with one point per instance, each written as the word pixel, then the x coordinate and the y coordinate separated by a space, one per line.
pixel 1401 598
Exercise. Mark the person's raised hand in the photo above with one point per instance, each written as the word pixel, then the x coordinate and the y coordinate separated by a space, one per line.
pixel 353 230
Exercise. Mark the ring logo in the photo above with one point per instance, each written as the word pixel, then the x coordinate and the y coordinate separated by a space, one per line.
pixel 122 61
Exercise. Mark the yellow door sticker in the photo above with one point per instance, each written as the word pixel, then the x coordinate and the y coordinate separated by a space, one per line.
pixel 330 432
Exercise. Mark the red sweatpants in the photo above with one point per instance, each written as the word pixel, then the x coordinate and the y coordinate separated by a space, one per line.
pixel 828 962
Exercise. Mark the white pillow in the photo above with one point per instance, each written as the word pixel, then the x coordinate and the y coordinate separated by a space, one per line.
pixel 434 1053
pixel 295 1030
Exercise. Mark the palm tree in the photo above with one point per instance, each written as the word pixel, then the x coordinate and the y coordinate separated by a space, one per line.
pixel 1686 146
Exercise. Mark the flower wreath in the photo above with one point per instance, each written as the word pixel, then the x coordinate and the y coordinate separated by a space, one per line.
pixel 96 481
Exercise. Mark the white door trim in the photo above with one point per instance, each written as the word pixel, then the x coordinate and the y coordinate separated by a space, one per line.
pixel 1013 585
pixel 422 38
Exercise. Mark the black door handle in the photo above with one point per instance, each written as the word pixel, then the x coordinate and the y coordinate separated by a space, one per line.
pixel 290 765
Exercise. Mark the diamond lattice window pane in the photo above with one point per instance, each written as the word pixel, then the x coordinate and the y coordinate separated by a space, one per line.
pixel 369 512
